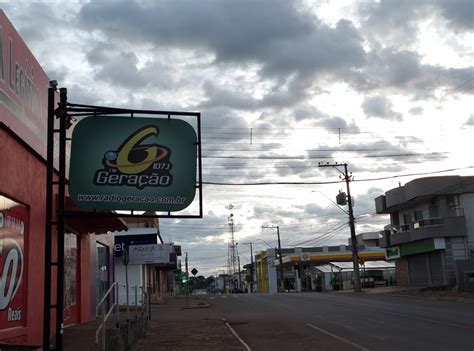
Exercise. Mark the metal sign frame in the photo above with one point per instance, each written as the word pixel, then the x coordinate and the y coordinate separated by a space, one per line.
pixel 67 113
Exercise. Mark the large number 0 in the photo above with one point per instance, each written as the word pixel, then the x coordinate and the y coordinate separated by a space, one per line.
pixel 5 297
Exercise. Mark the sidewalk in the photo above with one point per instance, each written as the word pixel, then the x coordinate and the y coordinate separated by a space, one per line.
pixel 183 324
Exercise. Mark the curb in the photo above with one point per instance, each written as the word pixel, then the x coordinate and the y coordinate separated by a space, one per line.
pixel 244 344
pixel 430 298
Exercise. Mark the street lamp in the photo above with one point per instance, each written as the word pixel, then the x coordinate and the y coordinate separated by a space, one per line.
pixel 282 283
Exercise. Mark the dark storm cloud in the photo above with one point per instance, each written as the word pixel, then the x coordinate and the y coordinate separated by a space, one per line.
pixel 459 13
pixel 219 96
pixel 399 19
pixel 118 66
pixel 389 19
pixel 290 167
pixel 380 107
pixel 31 17
pixel 220 120
pixel 80 95
pixel 272 33
pixel 279 97
pixel 322 119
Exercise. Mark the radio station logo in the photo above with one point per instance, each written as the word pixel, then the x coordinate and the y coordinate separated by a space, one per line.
pixel 137 164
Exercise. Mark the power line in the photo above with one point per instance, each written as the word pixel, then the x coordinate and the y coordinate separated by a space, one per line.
pixel 319 156
pixel 336 182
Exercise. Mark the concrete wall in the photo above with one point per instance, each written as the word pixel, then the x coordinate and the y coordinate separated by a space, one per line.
pixel 135 277
pixel 466 202
pixel 272 272
pixel 465 275
pixel 402 274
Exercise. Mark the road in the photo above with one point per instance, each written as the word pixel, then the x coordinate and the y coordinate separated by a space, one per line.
pixel 321 321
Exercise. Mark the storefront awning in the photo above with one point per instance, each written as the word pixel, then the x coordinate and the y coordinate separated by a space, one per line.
pixel 91 222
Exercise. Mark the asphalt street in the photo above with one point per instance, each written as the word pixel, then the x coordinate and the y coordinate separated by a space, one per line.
pixel 320 321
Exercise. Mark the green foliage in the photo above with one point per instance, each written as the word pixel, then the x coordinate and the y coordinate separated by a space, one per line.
pixel 201 282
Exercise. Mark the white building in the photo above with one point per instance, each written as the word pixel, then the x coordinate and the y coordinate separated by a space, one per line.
pixel 431 231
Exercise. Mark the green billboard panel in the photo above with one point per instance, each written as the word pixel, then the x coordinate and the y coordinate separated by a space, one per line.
pixel 143 164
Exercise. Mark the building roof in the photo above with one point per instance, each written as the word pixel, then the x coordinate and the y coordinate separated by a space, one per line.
pixel 348 266
pixel 423 188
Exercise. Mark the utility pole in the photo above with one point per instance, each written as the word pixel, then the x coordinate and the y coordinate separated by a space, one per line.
pixel 251 267
pixel 345 176
pixel 280 258
pixel 238 260
pixel 187 274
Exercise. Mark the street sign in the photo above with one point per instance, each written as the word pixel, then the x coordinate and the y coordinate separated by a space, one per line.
pixel 194 271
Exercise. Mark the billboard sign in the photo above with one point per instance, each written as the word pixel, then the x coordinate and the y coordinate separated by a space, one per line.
pixel 13 230
pixel 122 163
pixel 150 254
pixel 23 89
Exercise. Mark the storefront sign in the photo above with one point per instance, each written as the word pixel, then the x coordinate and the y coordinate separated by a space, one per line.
pixel 121 163
pixel 150 254
pixel 122 242
pixel 392 252
pixel 12 267
pixel 23 89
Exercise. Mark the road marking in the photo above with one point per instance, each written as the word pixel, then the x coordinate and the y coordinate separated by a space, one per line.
pixel 366 308
pixel 244 344
pixel 339 338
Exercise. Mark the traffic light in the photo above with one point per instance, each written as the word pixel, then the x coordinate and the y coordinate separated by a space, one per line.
pixel 177 275
pixel 184 279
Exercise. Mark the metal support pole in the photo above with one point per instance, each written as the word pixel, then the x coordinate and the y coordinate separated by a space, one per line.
pixel 136 300
pixel 117 302
pixel 103 326
pixel 63 121
pixel 48 219
pixel 187 275
pixel 127 292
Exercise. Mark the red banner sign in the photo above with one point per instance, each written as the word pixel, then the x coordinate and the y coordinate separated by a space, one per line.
pixel 23 89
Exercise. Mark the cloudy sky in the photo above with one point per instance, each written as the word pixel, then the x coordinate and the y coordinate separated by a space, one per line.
pixel 282 85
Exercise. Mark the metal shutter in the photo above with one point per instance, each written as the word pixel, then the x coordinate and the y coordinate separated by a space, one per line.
pixel 418 268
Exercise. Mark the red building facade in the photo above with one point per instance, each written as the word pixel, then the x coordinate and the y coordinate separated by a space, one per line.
pixel 88 258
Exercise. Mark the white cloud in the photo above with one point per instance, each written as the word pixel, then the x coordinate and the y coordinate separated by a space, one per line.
pixel 362 83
